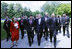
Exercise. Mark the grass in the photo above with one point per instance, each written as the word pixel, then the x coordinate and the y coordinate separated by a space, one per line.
pixel 3 33
pixel 2 20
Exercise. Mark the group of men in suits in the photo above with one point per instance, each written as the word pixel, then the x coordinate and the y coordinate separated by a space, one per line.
pixel 46 25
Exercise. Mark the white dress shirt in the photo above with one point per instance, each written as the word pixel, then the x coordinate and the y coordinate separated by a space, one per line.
pixel 39 20
pixel 45 18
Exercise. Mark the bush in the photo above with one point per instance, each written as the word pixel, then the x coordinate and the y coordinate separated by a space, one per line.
pixel 3 33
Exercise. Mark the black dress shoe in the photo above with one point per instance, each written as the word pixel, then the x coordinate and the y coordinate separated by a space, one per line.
pixel 63 34
pixel 22 38
pixel 7 40
pixel 12 46
pixel 30 45
pixel 51 41
pixel 68 36
pixel 54 46
pixel 38 44
pixel 46 39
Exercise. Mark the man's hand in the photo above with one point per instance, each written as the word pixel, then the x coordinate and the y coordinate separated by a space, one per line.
pixel 32 28
pixel 43 30
pixel 48 29
pixel 66 23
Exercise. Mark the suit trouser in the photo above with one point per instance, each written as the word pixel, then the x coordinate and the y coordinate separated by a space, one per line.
pixel 67 29
pixel 8 34
pixel 46 33
pixel 59 28
pixel 30 37
pixel 39 36
pixel 54 35
pixel 55 41
pixel 51 34
pixel 22 33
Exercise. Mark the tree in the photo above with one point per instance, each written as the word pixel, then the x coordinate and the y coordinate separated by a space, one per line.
pixel 18 10
pixel 27 12
pixel 36 12
pixel 50 7
pixel 64 8
pixel 4 9
pixel 10 11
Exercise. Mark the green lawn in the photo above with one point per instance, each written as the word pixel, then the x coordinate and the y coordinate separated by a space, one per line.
pixel 2 20
pixel 3 33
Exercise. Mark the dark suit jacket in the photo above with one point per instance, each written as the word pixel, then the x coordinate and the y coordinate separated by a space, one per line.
pixel 67 20
pixel 40 27
pixel 22 26
pixel 53 25
pixel 29 26
pixel 5 27
pixel 46 24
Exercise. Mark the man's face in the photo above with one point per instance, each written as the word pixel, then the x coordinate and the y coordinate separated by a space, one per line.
pixel 64 14
pixel 22 17
pixel 39 16
pixel 31 17
pixel 53 15
pixel 46 14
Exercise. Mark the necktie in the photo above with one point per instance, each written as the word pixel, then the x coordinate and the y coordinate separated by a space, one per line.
pixel 21 22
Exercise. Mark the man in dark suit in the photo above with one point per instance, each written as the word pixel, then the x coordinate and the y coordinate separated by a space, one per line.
pixel 6 26
pixel 52 28
pixel 40 28
pixel 65 21
pixel 58 27
pixel 22 26
pixel 46 22
pixel 30 30
pixel 35 27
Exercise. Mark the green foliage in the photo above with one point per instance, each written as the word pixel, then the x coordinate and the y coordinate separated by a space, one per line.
pixel 3 32
pixel 4 9
pixel 10 11
pixel 50 7
pixel 64 8
pixel 57 8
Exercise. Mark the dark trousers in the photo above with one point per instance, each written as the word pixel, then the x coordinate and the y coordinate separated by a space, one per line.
pixel 8 34
pixel 22 33
pixel 55 41
pixel 39 36
pixel 67 29
pixel 30 37
pixel 51 34
pixel 46 33
pixel 59 28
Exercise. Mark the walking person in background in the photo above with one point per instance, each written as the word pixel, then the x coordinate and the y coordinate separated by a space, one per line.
pixel 14 29
pixel 22 26
pixel 30 30
pixel 6 27
pixel 35 27
pixel 46 22
pixel 58 26
pixel 65 21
